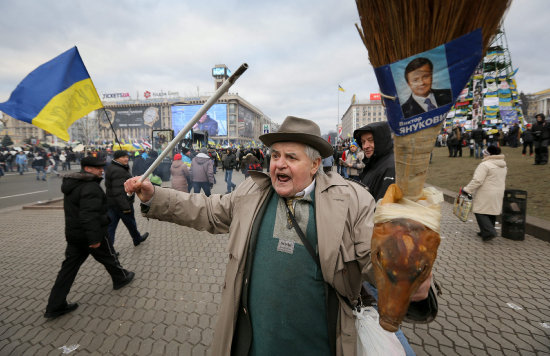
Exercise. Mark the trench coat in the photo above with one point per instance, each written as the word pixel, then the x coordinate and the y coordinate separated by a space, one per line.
pixel 488 185
pixel 344 213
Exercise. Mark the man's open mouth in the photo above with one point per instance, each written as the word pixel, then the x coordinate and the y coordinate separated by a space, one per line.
pixel 283 178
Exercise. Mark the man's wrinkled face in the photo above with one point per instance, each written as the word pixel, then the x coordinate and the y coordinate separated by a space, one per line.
pixel 420 80
pixel 367 143
pixel 291 170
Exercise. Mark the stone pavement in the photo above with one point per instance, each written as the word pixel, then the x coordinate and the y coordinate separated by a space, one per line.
pixel 495 295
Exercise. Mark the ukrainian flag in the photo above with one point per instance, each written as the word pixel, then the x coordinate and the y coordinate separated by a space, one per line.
pixel 54 95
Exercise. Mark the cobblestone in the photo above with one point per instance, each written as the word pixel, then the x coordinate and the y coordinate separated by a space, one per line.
pixel 172 306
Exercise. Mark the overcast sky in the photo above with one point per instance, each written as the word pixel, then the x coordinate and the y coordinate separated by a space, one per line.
pixel 298 51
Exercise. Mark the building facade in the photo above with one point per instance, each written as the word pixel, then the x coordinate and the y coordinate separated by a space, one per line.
pixel 231 121
pixel 361 113
pixel 539 103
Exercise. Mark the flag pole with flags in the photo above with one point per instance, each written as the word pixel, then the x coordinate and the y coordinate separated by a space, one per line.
pixel 54 95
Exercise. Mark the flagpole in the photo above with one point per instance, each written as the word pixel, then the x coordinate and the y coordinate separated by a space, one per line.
pixel 211 101
pixel 110 124
pixel 338 115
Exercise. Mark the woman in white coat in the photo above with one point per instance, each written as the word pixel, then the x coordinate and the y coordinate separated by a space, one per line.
pixel 487 186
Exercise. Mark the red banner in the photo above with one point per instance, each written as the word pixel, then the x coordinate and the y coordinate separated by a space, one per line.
pixel 375 96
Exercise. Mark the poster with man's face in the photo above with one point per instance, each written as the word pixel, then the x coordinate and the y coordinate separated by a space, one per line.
pixel 418 91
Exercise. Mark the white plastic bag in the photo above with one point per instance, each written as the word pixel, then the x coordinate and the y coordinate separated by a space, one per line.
pixel 372 340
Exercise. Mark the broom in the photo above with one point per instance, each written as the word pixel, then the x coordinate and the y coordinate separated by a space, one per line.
pixel 396 29
pixel 406 234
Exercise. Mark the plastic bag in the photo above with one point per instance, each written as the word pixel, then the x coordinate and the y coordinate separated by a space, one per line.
pixel 372 340
pixel 462 206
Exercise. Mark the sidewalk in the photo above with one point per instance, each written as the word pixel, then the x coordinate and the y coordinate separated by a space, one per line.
pixel 495 295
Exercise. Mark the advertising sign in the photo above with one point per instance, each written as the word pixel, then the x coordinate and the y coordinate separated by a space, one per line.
pixel 375 96
pixel 214 121
pixel 133 117
pixel 246 122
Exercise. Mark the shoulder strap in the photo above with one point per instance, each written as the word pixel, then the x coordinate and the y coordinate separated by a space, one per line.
pixel 303 238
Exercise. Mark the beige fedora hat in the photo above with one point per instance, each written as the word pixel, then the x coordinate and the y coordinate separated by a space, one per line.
pixel 295 129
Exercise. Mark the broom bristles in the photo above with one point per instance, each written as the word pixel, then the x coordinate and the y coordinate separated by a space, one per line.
pixel 396 29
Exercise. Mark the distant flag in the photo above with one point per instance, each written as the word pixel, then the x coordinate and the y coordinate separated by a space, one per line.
pixel 146 144
pixel 137 145
pixel 54 95
pixel 340 88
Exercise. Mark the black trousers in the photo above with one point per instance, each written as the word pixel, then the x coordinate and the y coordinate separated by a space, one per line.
pixel 75 255
pixel 541 151
pixel 486 224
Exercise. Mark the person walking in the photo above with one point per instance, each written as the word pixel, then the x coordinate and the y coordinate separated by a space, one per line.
pixel 86 220
pixel 39 164
pixel 229 164
pixel 180 174
pixel 202 172
pixel 121 206
pixel 487 186
pixel 527 138
pixel 541 133
pixel 21 161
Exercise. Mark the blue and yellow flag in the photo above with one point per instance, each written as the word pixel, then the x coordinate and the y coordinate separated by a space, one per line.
pixel 54 95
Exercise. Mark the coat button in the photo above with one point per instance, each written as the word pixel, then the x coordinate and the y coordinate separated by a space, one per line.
pixel 230 256
pixel 244 310
pixel 246 281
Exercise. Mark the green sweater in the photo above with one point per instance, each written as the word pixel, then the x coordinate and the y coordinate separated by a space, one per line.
pixel 287 290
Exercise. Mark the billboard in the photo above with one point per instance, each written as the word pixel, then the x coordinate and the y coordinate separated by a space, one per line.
pixel 246 122
pixel 214 122
pixel 132 117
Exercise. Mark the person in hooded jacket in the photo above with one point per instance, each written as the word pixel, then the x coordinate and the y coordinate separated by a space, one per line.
pixel 121 206
pixel 86 224
pixel 179 173
pixel 377 144
pixel 202 172
pixel 488 186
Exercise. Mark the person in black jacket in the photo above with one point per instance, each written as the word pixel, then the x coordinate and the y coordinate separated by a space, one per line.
pixel 527 138
pixel 379 171
pixel 229 164
pixel 479 136
pixel 139 167
pixel 541 133
pixel 120 205
pixel 86 233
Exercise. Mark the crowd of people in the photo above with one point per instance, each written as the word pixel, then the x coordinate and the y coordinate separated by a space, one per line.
pixel 456 138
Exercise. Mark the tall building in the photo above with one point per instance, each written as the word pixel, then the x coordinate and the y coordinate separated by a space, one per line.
pixel 361 113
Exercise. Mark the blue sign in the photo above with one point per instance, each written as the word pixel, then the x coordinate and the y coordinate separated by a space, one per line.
pixel 426 85
pixel 214 121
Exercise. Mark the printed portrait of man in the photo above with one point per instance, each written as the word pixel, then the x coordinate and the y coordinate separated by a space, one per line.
pixel 206 123
pixel 424 98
